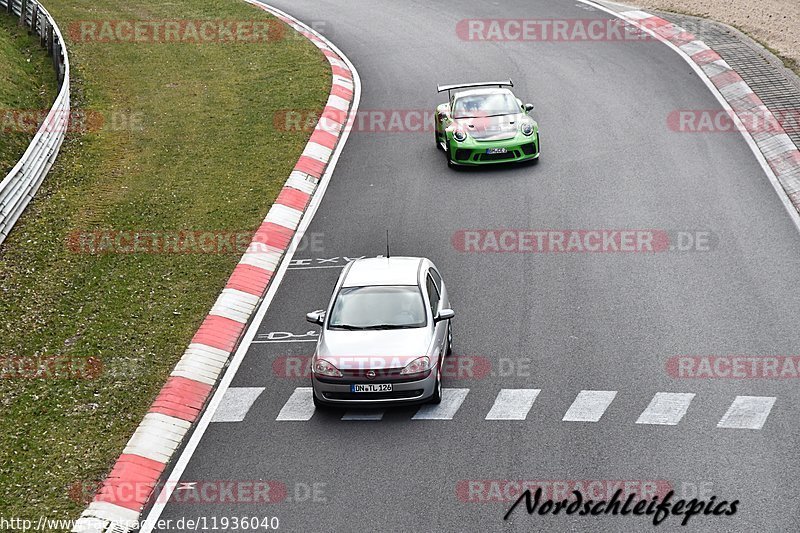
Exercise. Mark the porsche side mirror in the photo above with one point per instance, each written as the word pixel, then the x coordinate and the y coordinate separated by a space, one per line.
pixel 528 108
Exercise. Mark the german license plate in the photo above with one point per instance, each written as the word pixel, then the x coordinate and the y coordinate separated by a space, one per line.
pixel 371 387
pixel 496 150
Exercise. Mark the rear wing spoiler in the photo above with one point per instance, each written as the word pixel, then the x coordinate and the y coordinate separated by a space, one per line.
pixel 448 88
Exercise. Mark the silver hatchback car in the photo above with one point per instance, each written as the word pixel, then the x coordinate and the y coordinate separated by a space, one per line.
pixel 384 335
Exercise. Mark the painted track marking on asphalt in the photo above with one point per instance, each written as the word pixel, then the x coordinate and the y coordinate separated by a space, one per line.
pixel 589 405
pixel 315 267
pixel 451 401
pixel 363 414
pixel 299 406
pixel 278 341
pixel 666 408
pixel 235 404
pixel 513 404
pixel 747 412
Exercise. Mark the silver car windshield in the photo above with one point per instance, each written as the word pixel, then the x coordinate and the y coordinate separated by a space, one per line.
pixel 485 105
pixel 378 307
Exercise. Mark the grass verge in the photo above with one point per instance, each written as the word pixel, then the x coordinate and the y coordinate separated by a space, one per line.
pixel 28 87
pixel 187 142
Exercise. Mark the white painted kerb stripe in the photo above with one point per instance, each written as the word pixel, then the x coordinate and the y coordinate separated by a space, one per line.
pixel 111 512
pixel 285 216
pixel 299 406
pixel 589 405
pixel 666 408
pixel 302 182
pixel 636 15
pixel 451 401
pixel 747 412
pixel 268 260
pixel 318 152
pixel 235 404
pixel 513 404
pixel 341 80
pixel 693 47
pixel 337 102
pixel 235 305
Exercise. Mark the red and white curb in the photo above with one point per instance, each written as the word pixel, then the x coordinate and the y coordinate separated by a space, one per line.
pixel 774 149
pixel 130 484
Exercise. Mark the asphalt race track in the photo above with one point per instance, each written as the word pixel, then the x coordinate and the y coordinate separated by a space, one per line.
pixel 559 323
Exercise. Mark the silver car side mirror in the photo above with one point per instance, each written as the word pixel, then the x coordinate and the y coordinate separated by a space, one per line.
pixel 316 317
pixel 444 314
pixel 528 108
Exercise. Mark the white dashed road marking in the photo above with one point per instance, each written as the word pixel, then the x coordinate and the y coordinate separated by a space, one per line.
pixel 299 406
pixel 235 403
pixel 513 404
pixel 589 405
pixel 451 401
pixel 747 412
pixel 666 408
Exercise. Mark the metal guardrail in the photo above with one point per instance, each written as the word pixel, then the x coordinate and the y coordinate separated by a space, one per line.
pixel 19 186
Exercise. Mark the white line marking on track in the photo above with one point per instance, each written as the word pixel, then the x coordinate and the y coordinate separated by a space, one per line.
pixel 589 405
pixel 451 401
pixel 747 412
pixel 513 404
pixel 666 408
pixel 299 406
pixel 359 414
pixel 236 402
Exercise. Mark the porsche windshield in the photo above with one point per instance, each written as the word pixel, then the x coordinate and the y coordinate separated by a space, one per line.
pixel 485 105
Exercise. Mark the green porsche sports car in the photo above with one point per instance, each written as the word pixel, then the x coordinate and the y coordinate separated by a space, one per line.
pixel 484 123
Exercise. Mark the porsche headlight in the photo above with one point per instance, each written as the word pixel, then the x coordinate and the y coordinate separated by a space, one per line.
pixel 526 128
pixel 460 135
